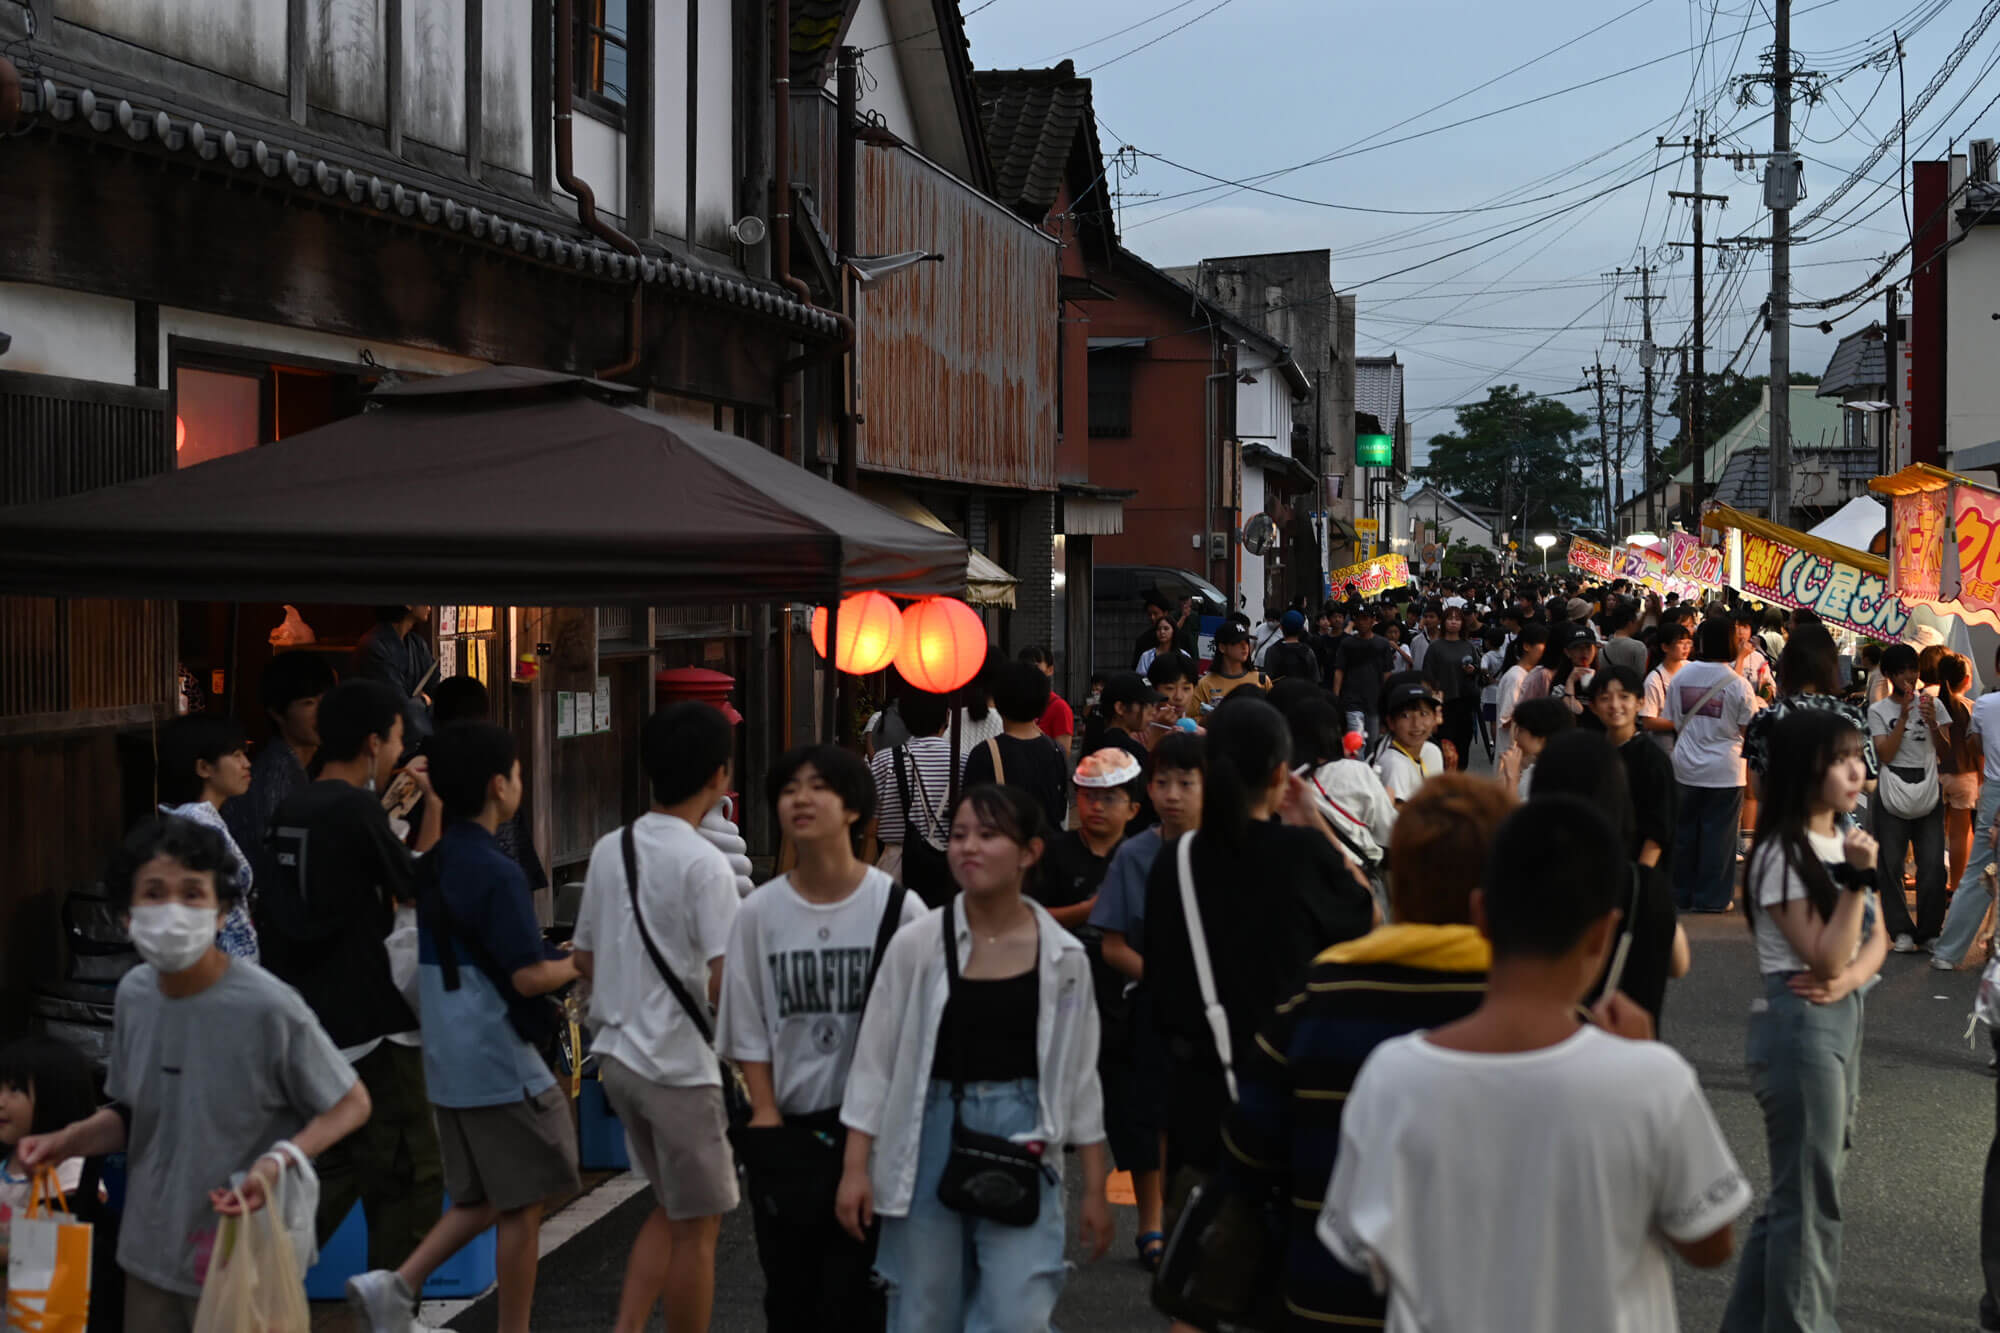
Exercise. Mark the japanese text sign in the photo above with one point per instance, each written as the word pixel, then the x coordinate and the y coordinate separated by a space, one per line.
pixel 1371 578
pixel 1838 593
pixel 1691 562
pixel 1590 558
pixel 1976 517
pixel 1918 543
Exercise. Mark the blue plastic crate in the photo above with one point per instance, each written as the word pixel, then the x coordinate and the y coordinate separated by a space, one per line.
pixel 600 1138
pixel 464 1275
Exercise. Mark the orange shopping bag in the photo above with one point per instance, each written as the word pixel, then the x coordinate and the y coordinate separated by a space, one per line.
pixel 48 1264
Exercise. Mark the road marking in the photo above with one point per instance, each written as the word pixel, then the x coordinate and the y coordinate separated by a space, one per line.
pixel 557 1231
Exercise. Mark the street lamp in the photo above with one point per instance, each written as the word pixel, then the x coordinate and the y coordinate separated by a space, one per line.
pixel 1545 540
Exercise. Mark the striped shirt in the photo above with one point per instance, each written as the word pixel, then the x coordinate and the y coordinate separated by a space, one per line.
pixel 927 767
pixel 1284 1132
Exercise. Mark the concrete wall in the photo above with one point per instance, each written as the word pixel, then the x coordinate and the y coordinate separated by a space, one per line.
pixel 1972 342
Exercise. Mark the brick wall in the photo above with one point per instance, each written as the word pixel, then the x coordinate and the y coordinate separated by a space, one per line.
pixel 1033 620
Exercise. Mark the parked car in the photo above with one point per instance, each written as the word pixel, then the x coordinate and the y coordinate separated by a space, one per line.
pixel 1119 609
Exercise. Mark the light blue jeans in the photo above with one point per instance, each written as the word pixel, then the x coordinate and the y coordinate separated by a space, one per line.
pixel 948 1272
pixel 1968 905
pixel 1805 1068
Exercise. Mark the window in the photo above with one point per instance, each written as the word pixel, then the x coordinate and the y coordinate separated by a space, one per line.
pixel 601 56
pixel 1110 394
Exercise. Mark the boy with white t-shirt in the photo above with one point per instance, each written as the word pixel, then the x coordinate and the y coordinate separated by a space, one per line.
pixel 1907 728
pixel 801 959
pixel 653 1049
pixel 1709 703
pixel 1407 757
pixel 1519 1169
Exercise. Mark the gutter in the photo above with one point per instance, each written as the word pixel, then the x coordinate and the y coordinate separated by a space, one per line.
pixel 586 199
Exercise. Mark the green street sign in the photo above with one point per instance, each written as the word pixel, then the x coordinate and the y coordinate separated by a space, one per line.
pixel 1374 450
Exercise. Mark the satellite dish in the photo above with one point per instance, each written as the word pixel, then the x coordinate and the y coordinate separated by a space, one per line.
pixel 1259 534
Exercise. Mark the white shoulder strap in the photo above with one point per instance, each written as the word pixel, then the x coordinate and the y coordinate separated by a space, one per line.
pixel 1218 1019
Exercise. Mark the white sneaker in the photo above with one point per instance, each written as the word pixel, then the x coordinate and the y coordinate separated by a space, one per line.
pixel 1903 944
pixel 381 1303
pixel 1942 964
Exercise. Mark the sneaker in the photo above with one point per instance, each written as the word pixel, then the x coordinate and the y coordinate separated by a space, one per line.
pixel 1904 944
pixel 381 1303
pixel 1942 964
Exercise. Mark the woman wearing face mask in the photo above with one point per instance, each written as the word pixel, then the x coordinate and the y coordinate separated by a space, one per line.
pixel 997 1039
pixel 204 762
pixel 276 1078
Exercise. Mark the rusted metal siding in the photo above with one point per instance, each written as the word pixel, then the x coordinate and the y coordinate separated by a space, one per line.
pixel 71 663
pixel 958 359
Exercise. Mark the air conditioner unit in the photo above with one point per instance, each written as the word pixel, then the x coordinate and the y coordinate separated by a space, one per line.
pixel 1983 158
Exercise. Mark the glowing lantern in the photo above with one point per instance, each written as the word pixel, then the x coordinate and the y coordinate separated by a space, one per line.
pixel 871 628
pixel 180 434
pixel 944 644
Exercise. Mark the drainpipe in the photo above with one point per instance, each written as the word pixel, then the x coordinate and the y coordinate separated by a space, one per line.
pixel 848 241
pixel 586 199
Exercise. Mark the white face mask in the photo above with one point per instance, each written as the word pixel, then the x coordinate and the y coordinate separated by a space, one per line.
pixel 171 936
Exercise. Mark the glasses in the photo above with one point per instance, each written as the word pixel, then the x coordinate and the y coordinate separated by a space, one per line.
pixel 1099 795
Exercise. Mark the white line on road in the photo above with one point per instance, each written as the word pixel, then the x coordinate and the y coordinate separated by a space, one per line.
pixel 558 1231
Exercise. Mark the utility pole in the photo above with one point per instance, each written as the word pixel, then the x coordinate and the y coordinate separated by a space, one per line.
pixel 1780 193
pixel 1886 458
pixel 1695 390
pixel 1648 357
pixel 1594 374
pixel 1626 391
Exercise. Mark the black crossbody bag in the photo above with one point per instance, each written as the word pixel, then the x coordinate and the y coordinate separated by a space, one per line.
pixel 793 1170
pixel 985 1175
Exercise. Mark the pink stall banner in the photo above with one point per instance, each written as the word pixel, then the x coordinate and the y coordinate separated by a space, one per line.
pixel 1918 544
pixel 1691 562
pixel 1590 558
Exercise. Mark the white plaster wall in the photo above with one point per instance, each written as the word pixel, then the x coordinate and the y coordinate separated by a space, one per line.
pixel 670 113
pixel 1972 342
pixel 887 95
pixel 281 341
pixel 433 91
pixel 241 38
pixel 600 163
pixel 506 94
pixel 57 332
pixel 715 156
pixel 347 63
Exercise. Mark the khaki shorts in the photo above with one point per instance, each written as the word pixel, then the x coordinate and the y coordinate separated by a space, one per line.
pixel 678 1139
pixel 151 1309
pixel 512 1155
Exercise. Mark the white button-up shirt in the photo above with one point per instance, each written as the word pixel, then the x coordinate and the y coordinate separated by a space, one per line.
pixel 892 1056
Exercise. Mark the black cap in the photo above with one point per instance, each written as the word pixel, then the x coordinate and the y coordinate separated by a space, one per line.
pixel 1230 632
pixel 1128 687
pixel 1403 696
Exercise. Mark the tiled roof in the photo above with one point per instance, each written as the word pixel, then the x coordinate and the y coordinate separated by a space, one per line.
pixel 1032 118
pixel 1858 362
pixel 816 27
pixel 1746 482
pixel 1378 389
pixel 317 179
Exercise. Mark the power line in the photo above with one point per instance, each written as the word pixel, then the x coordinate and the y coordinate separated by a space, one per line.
pixel 1155 41
pixel 1099 41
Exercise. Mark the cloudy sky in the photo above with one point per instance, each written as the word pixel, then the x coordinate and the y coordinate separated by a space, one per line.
pixel 1541 201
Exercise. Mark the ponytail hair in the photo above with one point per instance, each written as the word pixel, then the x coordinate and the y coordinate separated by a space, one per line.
pixel 1247 739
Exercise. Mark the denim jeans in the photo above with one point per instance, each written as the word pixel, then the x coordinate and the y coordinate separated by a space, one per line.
pixel 949 1272
pixel 1805 1068
pixel 1924 836
pixel 1705 847
pixel 1969 903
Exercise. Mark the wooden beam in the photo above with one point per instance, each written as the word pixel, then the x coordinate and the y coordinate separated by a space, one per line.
pixel 392 73
pixel 475 84
pixel 295 57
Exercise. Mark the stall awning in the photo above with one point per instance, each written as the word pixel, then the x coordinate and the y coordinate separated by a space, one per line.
pixel 1090 511
pixel 1846 588
pixel 507 486
pixel 986 583
pixel 1944 541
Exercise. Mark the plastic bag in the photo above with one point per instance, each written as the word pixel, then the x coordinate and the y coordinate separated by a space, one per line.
pixel 298 1209
pixel 401 944
pixel 48 1264
pixel 253 1283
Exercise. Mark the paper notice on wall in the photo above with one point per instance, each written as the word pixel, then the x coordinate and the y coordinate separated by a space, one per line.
pixel 565 714
pixel 603 708
pixel 586 705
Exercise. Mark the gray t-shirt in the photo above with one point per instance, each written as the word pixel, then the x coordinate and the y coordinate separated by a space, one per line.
pixel 212 1081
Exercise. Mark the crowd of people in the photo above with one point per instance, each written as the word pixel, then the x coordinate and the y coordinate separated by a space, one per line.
pixel 1239 925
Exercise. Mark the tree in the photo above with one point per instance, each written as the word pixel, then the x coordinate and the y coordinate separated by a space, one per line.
pixel 1726 400
pixel 1518 452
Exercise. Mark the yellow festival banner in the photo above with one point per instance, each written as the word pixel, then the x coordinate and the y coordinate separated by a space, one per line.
pixel 1371 578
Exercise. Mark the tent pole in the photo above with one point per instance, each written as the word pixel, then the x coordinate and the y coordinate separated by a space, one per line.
pixel 830 681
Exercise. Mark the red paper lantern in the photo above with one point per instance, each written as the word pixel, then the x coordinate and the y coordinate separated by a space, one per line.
pixel 944 644
pixel 871 628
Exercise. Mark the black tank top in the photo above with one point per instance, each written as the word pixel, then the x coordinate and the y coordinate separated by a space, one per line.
pixel 989 1026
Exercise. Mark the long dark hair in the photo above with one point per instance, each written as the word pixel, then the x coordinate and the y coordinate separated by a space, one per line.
pixel 1809 659
pixel 1246 739
pixel 1804 744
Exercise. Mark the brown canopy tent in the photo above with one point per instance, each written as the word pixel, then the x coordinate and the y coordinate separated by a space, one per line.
pixel 507 486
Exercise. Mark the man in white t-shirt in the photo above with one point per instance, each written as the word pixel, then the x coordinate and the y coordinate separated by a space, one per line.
pixel 801 959
pixel 1519 1169
pixel 1407 757
pixel 1908 806
pixel 1709 704
pixel 653 1048
pixel 1968 910
pixel 1534 640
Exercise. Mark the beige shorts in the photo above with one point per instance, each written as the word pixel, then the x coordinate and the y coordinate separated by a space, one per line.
pixel 1961 790
pixel 151 1309
pixel 678 1139
pixel 512 1155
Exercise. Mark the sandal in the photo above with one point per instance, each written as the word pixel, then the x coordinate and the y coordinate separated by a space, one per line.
pixel 1151 1245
